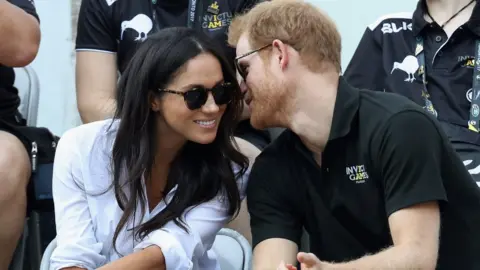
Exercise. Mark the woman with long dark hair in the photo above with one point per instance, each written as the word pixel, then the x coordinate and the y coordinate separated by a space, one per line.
pixel 151 188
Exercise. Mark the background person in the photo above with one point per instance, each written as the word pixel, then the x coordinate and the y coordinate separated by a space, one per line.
pixel 19 27
pixel 438 40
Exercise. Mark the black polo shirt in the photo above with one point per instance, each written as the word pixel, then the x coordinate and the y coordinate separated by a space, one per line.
pixel 117 26
pixel 385 61
pixel 384 154
pixel 9 99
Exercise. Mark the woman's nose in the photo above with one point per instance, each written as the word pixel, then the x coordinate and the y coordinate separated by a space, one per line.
pixel 210 106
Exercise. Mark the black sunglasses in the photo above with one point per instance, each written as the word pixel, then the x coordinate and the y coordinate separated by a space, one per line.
pixel 241 70
pixel 196 97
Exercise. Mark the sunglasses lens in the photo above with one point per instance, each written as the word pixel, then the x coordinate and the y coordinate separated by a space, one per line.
pixel 196 98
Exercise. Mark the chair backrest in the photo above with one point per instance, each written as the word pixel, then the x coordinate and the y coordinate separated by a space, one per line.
pixel 233 250
pixel 26 81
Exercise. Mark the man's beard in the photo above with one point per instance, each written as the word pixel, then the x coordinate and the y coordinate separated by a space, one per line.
pixel 268 103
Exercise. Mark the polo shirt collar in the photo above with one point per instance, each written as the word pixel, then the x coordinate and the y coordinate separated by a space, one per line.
pixel 419 22
pixel 345 110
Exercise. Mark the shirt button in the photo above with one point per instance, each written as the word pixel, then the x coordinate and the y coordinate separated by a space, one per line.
pixel 438 39
pixel 440 53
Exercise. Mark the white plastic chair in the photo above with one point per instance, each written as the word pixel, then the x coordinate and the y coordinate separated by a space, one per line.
pixel 47 254
pixel 232 249
pixel 26 81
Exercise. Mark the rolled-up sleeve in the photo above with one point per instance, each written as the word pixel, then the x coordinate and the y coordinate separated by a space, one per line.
pixel 76 241
pixel 203 222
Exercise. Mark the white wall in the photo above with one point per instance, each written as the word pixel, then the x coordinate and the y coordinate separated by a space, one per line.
pixel 53 65
pixel 55 68
pixel 353 16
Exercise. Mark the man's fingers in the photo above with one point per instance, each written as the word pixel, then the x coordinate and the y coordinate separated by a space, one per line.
pixel 307 259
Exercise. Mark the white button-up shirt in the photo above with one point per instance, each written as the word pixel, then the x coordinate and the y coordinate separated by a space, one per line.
pixel 87 212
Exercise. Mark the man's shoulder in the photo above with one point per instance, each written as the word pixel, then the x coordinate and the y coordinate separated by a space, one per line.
pixel 277 152
pixel 27 5
pixel 281 145
pixel 376 108
pixel 115 6
pixel 114 3
pixel 392 23
pixel 392 32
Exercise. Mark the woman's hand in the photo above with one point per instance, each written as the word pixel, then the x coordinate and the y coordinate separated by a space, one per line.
pixel 286 266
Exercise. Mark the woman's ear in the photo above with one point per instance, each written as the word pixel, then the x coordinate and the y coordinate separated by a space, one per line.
pixel 154 102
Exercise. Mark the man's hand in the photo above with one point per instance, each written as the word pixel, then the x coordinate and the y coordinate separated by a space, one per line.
pixel 308 261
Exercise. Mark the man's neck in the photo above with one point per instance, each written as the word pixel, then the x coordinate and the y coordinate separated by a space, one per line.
pixel 449 7
pixel 312 117
pixel 442 10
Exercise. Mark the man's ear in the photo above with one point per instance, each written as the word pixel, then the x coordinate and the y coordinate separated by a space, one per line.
pixel 280 51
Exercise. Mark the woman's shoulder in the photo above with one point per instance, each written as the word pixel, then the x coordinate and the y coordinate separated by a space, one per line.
pixel 87 131
pixel 83 137
pixel 86 151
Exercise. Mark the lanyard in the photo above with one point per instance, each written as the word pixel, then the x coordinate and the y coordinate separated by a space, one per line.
pixel 474 119
pixel 192 11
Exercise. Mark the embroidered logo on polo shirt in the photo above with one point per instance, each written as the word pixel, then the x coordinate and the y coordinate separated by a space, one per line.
pixel 357 173
pixel 141 24
pixel 215 19
pixel 213 8
pixel 467 61
pixel 409 65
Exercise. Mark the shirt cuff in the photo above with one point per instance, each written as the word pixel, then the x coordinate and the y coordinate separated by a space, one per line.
pixel 175 256
pixel 75 255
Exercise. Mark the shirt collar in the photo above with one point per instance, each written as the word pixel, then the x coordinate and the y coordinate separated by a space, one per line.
pixel 344 112
pixel 419 22
pixel 346 108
